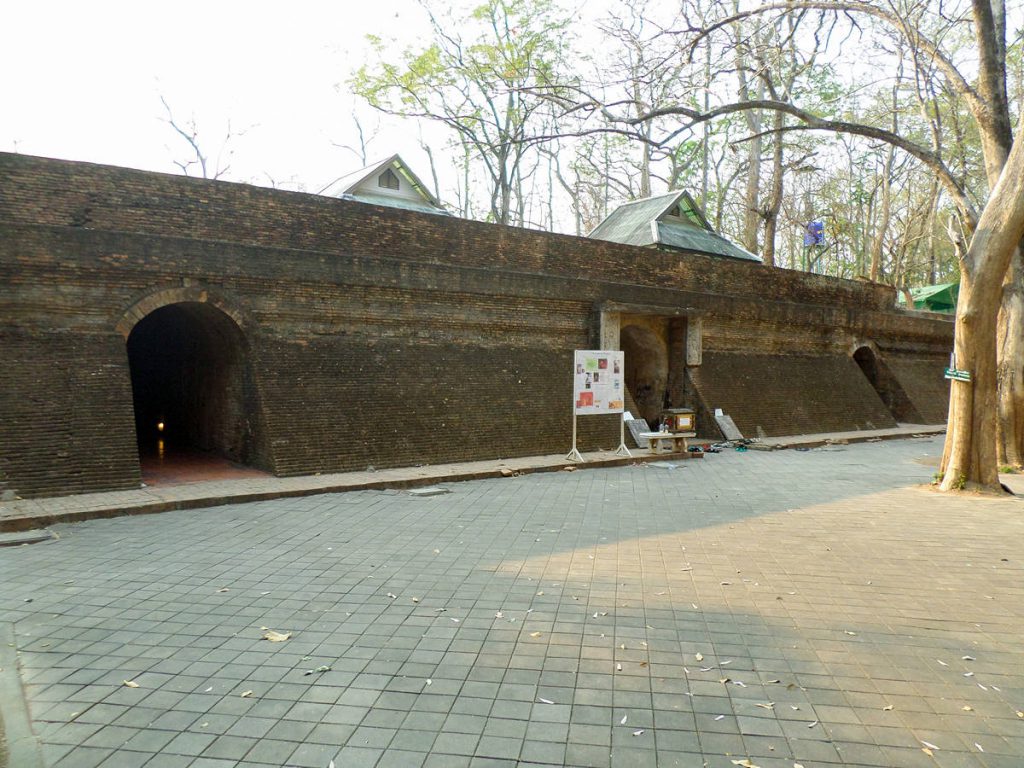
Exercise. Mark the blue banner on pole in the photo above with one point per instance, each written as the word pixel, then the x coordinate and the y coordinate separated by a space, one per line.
pixel 815 233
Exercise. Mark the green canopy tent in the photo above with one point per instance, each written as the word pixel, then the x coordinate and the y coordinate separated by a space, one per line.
pixel 934 298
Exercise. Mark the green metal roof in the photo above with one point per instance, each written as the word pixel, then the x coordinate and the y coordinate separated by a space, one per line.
pixel 666 221
pixel 630 223
pixel 700 240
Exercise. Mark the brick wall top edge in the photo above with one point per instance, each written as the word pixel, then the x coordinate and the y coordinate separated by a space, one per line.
pixel 66 253
pixel 35 190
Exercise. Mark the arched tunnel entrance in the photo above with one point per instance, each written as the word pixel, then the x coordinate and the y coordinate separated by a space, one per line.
pixel 646 358
pixel 193 392
pixel 886 385
pixel 868 364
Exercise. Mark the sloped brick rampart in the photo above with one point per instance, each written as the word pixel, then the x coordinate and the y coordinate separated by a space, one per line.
pixel 785 394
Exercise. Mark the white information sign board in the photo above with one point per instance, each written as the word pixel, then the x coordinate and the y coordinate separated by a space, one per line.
pixel 599 382
pixel 599 387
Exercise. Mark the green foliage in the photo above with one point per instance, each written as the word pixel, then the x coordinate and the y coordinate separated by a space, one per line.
pixel 484 83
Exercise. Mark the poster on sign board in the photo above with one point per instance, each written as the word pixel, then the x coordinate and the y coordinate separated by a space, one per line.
pixel 599 382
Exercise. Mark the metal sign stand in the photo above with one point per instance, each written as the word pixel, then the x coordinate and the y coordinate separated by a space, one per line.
pixel 574 454
pixel 598 396
pixel 622 450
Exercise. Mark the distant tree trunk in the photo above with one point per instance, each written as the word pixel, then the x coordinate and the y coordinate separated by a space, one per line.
pixel 771 213
pixel 882 227
pixel 433 166
pixel 878 243
pixel 751 212
pixel 705 161
pixel 751 220
pixel 465 181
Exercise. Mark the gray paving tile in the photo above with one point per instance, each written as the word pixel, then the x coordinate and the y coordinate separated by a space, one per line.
pixel 826 570
pixel 271 752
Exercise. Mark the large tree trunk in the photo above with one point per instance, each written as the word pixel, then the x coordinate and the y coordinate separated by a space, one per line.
pixel 1010 346
pixel 969 456
pixel 996 140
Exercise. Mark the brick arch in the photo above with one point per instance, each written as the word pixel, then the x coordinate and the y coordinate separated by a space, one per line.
pixel 872 363
pixel 193 382
pixel 162 297
pixel 859 344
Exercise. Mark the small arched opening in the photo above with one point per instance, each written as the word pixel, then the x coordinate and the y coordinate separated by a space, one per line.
pixel 646 358
pixel 865 359
pixel 193 391
pixel 886 385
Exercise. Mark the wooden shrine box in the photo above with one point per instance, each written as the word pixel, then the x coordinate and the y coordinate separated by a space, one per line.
pixel 678 419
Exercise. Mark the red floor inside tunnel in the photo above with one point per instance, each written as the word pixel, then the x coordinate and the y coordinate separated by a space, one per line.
pixel 190 466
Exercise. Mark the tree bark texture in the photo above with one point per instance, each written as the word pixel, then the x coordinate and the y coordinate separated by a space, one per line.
pixel 969 456
pixel 1010 350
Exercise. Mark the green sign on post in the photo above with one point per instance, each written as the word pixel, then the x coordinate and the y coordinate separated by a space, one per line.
pixel 954 375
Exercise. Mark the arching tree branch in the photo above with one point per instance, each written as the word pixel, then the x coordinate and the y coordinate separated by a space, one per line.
pixel 812 122
pixel 978 105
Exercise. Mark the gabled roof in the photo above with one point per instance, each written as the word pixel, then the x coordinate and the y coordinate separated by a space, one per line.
pixel 673 220
pixel 348 187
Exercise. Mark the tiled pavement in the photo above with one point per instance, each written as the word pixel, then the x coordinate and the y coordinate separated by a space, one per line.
pixel 789 607
pixel 186 484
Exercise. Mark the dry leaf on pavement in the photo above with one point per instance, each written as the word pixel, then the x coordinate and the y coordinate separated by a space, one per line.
pixel 276 637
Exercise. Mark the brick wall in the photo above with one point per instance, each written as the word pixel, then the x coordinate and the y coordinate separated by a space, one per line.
pixel 376 336
pixel 64 427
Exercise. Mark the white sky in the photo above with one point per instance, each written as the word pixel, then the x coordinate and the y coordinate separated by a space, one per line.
pixel 82 81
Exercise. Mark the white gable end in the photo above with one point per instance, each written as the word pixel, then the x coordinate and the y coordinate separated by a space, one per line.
pixel 383 183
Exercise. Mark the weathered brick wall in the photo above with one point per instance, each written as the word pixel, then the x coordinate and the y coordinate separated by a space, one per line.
pixel 64 426
pixel 376 336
